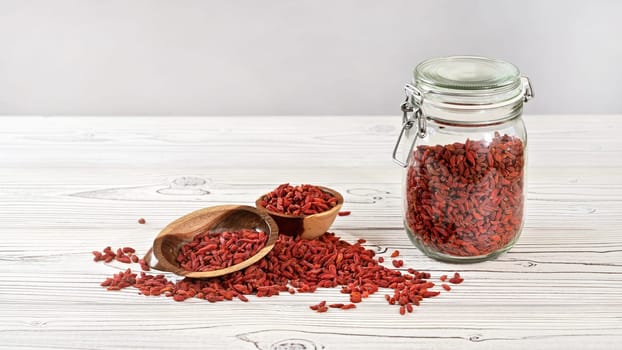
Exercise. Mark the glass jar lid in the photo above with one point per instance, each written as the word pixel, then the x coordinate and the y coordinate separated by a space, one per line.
pixel 466 73
pixel 468 89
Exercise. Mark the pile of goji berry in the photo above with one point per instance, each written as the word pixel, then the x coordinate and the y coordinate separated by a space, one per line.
pixel 294 265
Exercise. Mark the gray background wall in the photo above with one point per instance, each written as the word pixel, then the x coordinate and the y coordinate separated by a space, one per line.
pixel 280 57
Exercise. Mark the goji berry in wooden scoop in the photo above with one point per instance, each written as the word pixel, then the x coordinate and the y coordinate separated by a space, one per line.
pixel 211 251
pixel 214 241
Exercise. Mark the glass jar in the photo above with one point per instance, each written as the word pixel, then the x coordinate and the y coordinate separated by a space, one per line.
pixel 464 179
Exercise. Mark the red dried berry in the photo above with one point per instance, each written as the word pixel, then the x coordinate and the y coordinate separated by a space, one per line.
pixel 143 265
pixel 456 279
pixel 355 297
pixel 124 259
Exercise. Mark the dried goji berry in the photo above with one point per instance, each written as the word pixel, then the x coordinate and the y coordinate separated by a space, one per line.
pixel 213 251
pixel 298 200
pixel 294 265
pixel 466 199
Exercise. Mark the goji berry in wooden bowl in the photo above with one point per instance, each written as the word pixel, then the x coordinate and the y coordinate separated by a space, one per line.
pixel 214 241
pixel 304 210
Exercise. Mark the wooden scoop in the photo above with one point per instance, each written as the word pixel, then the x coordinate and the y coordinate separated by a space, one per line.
pixel 213 219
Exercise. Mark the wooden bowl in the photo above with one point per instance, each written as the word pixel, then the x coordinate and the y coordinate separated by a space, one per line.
pixel 214 219
pixel 305 226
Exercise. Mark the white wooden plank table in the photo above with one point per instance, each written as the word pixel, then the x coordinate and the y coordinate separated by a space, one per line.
pixel 69 185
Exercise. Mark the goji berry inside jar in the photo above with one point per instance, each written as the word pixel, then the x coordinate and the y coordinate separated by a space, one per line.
pixel 463 145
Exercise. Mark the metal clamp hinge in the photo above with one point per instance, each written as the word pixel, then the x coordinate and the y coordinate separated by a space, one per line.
pixel 408 121
pixel 529 92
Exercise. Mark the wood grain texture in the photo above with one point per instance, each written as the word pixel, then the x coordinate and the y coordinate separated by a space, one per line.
pixel 71 185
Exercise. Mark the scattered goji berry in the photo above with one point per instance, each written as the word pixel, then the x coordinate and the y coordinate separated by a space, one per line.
pixel 297 265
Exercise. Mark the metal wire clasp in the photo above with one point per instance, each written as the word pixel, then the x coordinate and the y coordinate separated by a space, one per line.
pixel 412 104
pixel 529 93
